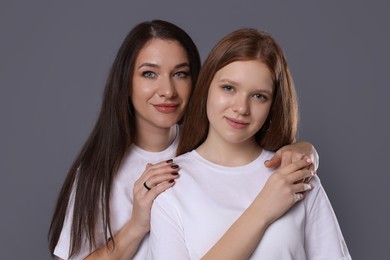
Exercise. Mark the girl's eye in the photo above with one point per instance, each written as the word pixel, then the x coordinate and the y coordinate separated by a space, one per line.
pixel 181 74
pixel 227 88
pixel 261 97
pixel 149 74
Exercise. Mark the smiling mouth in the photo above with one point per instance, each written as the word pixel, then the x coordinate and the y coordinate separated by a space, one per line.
pixel 236 124
pixel 166 108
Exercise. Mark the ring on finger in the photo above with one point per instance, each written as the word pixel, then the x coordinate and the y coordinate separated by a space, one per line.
pixel 146 186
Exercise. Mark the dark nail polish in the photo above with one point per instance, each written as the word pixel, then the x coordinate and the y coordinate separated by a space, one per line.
pixel 175 166
pixel 171 181
pixel 169 161
pixel 175 173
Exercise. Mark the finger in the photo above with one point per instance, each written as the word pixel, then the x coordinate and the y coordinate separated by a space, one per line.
pixel 158 168
pixel 300 175
pixel 155 175
pixel 312 167
pixel 286 158
pixel 302 187
pixel 298 197
pixel 290 157
pixel 162 163
pixel 157 190
pixel 155 171
pixel 148 165
pixel 273 162
pixel 157 179
pixel 146 186
pixel 295 166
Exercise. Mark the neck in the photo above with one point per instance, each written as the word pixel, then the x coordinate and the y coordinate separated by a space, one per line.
pixel 229 154
pixel 155 139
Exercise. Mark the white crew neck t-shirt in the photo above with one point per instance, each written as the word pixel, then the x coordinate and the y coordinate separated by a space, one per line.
pixel 188 219
pixel 132 167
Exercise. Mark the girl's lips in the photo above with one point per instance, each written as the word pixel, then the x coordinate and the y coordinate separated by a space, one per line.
pixel 237 124
pixel 166 108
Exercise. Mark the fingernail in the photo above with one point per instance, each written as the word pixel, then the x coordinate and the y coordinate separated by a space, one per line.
pixel 175 166
pixel 308 187
pixel 308 160
pixel 169 161
pixel 175 173
pixel 312 172
pixel 171 181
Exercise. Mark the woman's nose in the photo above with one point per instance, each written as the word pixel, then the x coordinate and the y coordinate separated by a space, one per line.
pixel 166 88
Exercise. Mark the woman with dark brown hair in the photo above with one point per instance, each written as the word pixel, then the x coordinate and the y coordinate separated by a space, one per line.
pixel 103 209
pixel 243 109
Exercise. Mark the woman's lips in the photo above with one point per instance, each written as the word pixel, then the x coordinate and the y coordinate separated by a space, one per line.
pixel 235 123
pixel 166 108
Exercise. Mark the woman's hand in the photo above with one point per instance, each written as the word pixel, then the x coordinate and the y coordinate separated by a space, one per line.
pixel 283 189
pixel 292 153
pixel 155 179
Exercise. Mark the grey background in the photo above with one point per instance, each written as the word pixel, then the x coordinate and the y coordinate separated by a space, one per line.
pixel 55 56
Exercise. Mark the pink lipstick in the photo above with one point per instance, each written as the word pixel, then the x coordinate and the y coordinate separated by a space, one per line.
pixel 166 108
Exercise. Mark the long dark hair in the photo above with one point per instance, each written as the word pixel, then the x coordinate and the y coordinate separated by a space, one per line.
pixel 91 175
pixel 245 44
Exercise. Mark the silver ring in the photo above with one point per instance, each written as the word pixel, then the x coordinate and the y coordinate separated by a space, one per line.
pixel 146 186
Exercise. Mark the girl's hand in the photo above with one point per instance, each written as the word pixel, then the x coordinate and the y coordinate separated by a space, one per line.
pixel 283 189
pixel 155 179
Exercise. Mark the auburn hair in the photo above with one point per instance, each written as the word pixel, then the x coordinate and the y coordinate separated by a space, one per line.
pixel 281 125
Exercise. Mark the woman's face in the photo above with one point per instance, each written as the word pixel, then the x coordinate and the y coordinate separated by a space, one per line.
pixel 161 84
pixel 239 101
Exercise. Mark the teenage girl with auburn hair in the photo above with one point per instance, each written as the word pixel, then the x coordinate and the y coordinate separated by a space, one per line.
pixel 243 109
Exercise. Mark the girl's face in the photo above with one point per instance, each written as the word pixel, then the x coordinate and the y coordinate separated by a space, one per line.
pixel 239 101
pixel 161 84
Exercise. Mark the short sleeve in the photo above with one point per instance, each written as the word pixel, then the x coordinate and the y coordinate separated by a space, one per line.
pixel 166 234
pixel 323 237
pixel 62 249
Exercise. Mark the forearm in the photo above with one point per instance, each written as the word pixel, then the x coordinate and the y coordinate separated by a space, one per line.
pixel 127 241
pixel 241 239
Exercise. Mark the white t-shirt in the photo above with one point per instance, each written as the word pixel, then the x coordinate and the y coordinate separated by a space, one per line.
pixel 188 219
pixel 133 165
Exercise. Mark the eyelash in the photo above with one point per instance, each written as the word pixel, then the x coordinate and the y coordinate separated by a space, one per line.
pixel 146 74
pixel 228 88
pixel 261 97
pixel 179 74
pixel 184 74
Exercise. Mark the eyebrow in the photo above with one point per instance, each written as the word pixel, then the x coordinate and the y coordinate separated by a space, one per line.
pixel 234 83
pixel 228 81
pixel 153 65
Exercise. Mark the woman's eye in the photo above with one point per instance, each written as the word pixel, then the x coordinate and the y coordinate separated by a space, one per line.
pixel 181 74
pixel 149 74
pixel 227 88
pixel 261 97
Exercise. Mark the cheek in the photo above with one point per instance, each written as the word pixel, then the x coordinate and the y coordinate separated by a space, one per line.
pixel 216 105
pixel 262 114
pixel 142 90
